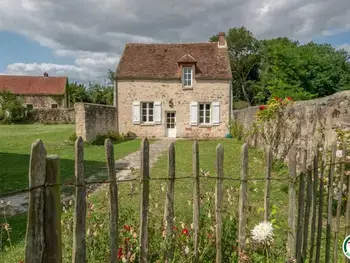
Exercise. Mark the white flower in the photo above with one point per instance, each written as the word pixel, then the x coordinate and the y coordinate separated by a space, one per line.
pixel 163 188
pixel 339 153
pixel 186 250
pixel 263 232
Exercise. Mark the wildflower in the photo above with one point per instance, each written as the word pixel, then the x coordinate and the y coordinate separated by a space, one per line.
pixel 191 225
pixel 263 232
pixel 174 228
pixel 186 250
pixel 163 188
pixel 289 98
pixel 127 227
pixel 339 153
pixel 120 253
pixel 7 227
pixel 132 258
pixel 185 231
pixel 262 107
pixel 70 202
pixel 134 235
pixel 182 225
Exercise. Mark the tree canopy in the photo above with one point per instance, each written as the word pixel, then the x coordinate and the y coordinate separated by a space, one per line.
pixel 282 67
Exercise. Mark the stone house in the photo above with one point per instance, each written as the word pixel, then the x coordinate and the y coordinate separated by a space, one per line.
pixel 174 90
pixel 38 92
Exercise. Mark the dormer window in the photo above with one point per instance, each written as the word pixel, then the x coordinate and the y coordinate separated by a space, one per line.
pixel 187 76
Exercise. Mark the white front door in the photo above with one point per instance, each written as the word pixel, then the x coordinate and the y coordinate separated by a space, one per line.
pixel 171 124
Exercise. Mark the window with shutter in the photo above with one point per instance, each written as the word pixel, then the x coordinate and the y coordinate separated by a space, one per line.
pixel 136 112
pixel 216 113
pixel 194 113
pixel 157 112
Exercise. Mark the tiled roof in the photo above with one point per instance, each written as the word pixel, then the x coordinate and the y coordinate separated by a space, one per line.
pixel 160 61
pixel 33 84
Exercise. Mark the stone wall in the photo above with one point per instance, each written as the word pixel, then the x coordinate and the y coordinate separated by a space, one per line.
pixel 52 116
pixel 43 102
pixel 94 119
pixel 172 90
pixel 305 123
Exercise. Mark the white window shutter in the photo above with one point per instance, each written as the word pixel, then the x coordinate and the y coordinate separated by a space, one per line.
pixel 136 112
pixel 194 113
pixel 158 112
pixel 215 113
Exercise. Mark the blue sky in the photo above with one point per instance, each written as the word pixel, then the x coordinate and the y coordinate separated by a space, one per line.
pixel 83 39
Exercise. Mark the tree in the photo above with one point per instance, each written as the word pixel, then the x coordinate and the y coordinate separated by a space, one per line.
pixel 100 94
pixel 300 71
pixel 77 93
pixel 111 76
pixel 11 107
pixel 244 53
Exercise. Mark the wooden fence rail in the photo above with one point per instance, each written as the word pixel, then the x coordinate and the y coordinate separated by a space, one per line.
pixel 305 215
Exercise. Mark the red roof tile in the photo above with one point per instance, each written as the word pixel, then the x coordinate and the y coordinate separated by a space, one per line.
pixel 160 61
pixel 33 84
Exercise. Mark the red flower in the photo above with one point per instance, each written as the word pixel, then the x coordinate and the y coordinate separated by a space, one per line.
pixel 276 98
pixel 127 227
pixel 289 98
pixel 120 253
pixel 185 231
pixel 262 107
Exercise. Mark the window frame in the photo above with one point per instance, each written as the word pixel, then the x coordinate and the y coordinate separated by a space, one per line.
pixel 204 112
pixel 185 76
pixel 148 109
pixel 29 104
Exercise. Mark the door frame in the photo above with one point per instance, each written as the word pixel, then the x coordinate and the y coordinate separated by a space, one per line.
pixel 166 123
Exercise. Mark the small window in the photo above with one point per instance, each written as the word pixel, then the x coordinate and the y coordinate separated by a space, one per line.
pixel 204 113
pixel 29 107
pixel 54 106
pixel 187 76
pixel 147 109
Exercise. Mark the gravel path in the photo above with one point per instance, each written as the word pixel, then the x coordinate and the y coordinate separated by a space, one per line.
pixel 125 169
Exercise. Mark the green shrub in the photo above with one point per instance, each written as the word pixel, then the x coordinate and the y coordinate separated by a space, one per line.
pixel 73 137
pixel 11 108
pixel 237 130
pixel 114 136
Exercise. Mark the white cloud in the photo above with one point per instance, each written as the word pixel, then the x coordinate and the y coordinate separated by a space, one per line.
pixel 346 47
pixel 94 32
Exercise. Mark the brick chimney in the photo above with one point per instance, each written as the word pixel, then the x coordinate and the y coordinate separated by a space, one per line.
pixel 222 40
pixel 46 75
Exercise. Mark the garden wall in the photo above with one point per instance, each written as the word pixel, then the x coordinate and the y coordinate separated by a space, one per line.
pixel 94 119
pixel 52 116
pixel 302 124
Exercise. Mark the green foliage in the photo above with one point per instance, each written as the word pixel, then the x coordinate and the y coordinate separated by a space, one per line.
pixel 73 137
pixel 77 93
pixel 237 130
pixel 11 108
pixel 114 136
pixel 244 53
pixel 100 94
pixel 282 67
pixel 240 104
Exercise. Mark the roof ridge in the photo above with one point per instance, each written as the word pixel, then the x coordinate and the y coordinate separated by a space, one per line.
pixel 177 43
pixel 31 76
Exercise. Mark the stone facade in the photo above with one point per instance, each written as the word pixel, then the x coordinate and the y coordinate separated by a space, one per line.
pixel 94 119
pixel 172 91
pixel 306 121
pixel 44 101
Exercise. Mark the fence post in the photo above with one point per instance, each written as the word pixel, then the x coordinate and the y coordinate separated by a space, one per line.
pixel 35 239
pixel 79 228
pixel 307 212
pixel 347 213
pixel 218 200
pixel 169 204
pixel 52 206
pixel 144 173
pixel 330 201
pixel 314 202
pixel 292 165
pixel 243 197
pixel 340 197
pixel 320 206
pixel 268 168
pixel 196 199
pixel 113 201
pixel 299 238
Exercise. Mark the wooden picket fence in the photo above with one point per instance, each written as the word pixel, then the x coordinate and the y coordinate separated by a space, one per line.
pixel 43 237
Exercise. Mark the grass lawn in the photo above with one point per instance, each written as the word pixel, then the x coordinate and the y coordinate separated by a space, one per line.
pixel 98 222
pixel 15 146
pixel 129 204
